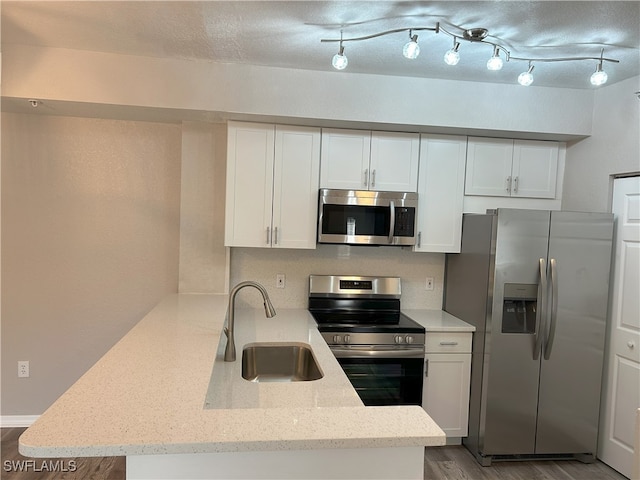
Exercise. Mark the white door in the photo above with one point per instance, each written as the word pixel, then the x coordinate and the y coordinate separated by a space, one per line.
pixel 295 187
pixel 489 167
pixel 535 169
pixel 445 392
pixel 394 161
pixel 440 193
pixel 249 184
pixel 621 395
pixel 345 159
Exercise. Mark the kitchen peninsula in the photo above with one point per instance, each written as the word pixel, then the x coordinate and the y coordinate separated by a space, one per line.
pixel 163 398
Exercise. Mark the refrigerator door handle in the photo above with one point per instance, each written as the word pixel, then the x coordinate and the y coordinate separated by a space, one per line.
pixel 542 307
pixel 554 308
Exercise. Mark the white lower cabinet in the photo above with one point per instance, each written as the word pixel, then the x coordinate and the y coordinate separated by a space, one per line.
pixel 445 395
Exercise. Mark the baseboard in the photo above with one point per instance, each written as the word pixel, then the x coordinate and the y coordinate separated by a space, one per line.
pixel 13 421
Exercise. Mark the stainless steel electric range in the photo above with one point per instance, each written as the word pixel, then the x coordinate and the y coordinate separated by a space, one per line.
pixel 380 349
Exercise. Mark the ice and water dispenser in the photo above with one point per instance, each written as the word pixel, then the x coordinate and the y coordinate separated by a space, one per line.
pixel 519 308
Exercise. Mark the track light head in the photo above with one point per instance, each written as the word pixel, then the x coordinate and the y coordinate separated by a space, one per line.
pixel 452 57
pixel 599 77
pixel 411 49
pixel 339 60
pixel 525 78
pixel 495 62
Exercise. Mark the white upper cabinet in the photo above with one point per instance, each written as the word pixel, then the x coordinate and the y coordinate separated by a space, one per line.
pixel 535 169
pixel 363 160
pixel 440 193
pixel 511 168
pixel 394 162
pixel 272 186
pixel 295 187
pixel 249 184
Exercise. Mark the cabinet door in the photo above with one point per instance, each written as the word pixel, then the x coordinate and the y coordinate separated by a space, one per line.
pixel 440 193
pixel 445 395
pixel 345 159
pixel 249 184
pixel 489 167
pixel 295 187
pixel 394 162
pixel 535 169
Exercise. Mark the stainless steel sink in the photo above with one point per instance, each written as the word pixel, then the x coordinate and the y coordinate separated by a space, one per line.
pixel 279 362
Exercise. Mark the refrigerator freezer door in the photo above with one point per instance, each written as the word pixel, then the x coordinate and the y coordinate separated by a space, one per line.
pixel 511 370
pixel 569 399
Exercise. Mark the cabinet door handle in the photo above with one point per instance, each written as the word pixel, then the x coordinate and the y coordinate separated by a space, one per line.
pixel 373 178
pixel 508 188
pixel 366 177
pixel 268 235
pixel 449 343
pixel 275 236
pixel 426 367
pixel 419 239
pixel 515 185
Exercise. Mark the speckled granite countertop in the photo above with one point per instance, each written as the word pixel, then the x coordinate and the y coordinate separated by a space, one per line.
pixel 438 321
pixel 150 394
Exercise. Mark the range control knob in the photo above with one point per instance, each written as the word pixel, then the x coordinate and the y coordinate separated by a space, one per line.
pixel 337 339
pixel 409 339
pixel 399 339
pixel 347 339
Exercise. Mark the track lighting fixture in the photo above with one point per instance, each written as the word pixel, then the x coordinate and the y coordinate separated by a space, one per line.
pixel 495 62
pixel 411 49
pixel 525 78
pixel 452 57
pixel 599 77
pixel 340 60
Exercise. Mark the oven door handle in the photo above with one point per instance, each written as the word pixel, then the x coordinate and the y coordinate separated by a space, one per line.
pixel 371 351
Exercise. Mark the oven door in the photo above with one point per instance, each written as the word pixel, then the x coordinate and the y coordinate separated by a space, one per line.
pixel 384 375
pixel 366 218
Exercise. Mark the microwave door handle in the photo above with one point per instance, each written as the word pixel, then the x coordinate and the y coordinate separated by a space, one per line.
pixel 392 220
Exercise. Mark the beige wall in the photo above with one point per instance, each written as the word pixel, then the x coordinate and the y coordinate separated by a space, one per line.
pixel 90 233
pixel 204 260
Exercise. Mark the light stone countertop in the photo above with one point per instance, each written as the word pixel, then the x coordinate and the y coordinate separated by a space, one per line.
pixel 150 394
pixel 438 321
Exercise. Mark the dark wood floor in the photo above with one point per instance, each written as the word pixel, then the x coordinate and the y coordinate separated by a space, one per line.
pixel 441 463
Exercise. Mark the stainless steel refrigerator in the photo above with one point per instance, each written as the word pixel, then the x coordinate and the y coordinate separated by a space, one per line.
pixel 535 285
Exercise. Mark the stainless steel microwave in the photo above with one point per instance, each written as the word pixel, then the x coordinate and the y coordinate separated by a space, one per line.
pixel 358 217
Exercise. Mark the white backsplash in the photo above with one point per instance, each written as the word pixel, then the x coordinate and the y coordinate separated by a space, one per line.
pixel 262 265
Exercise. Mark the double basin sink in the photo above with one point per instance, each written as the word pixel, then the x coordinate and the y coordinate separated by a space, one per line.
pixel 279 362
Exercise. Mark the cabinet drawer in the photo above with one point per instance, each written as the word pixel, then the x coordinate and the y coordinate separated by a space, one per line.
pixel 448 342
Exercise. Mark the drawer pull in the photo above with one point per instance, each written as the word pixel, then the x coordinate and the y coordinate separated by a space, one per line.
pixel 448 343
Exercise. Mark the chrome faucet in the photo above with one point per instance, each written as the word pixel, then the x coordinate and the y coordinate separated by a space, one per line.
pixel 269 311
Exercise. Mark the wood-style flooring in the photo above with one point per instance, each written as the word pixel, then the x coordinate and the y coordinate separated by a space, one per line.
pixel 17 467
pixel 441 463
pixel 457 463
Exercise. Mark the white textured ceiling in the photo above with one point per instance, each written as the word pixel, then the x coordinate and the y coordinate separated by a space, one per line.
pixel 288 34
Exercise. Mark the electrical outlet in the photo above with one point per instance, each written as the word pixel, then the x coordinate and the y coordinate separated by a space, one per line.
pixel 429 284
pixel 280 280
pixel 23 368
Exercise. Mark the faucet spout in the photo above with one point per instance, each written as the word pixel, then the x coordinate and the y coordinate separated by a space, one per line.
pixel 269 311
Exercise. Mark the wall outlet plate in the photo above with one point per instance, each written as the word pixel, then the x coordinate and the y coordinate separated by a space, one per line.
pixel 23 368
pixel 429 284
pixel 280 280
